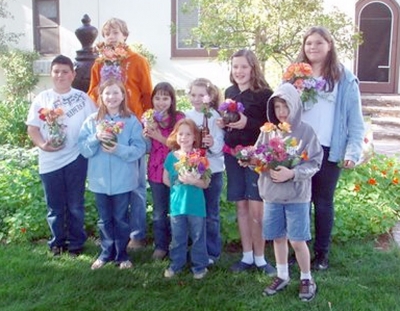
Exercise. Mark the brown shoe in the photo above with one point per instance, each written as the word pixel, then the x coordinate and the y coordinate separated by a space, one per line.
pixel 159 254
pixel 136 244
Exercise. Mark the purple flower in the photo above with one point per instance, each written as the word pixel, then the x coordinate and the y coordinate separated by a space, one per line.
pixel 111 71
pixel 158 116
pixel 201 168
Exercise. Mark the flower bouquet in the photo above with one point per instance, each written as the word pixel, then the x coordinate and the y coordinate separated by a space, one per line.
pixel 151 118
pixel 111 127
pixel 56 130
pixel 111 58
pixel 281 149
pixel 194 163
pixel 230 110
pixel 301 76
pixel 244 153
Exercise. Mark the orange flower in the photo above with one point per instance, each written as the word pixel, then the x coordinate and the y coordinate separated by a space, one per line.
pixel 268 127
pixel 304 156
pixel 395 181
pixel 285 127
pixel 23 230
pixel 383 173
pixel 357 187
pixel 298 83
pixel 372 181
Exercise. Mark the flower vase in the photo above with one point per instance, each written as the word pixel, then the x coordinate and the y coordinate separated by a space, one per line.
pixel 110 142
pixel 57 134
pixel 230 117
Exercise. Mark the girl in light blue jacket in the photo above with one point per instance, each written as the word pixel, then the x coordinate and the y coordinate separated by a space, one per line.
pixel 112 141
pixel 336 118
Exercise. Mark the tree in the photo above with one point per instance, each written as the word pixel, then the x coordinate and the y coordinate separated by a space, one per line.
pixel 6 37
pixel 271 28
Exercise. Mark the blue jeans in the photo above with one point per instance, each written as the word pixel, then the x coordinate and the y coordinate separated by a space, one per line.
pixel 64 191
pixel 184 227
pixel 213 232
pixel 323 190
pixel 161 222
pixel 114 225
pixel 138 202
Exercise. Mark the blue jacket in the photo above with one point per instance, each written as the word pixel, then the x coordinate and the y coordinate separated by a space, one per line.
pixel 112 173
pixel 348 128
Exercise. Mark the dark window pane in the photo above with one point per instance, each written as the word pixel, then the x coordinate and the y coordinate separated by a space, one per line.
pixel 48 41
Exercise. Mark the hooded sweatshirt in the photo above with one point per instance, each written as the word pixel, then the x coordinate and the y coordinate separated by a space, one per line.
pixel 298 189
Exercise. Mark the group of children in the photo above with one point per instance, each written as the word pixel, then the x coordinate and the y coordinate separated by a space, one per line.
pixel 272 205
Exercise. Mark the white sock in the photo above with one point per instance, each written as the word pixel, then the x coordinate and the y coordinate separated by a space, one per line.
pixel 260 261
pixel 248 257
pixel 305 275
pixel 282 271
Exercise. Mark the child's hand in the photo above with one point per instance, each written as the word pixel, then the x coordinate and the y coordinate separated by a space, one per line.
pixel 104 136
pixel 239 125
pixel 154 133
pixel 281 174
pixel 110 147
pixel 208 140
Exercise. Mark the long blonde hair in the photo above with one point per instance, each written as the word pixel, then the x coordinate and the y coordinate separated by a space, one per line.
pixel 123 108
pixel 212 91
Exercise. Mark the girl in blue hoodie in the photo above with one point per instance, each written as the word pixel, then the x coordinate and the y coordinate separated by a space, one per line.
pixel 112 141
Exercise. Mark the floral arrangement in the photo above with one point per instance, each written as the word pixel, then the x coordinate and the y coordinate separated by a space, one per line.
pixel 205 109
pixel 56 130
pixel 244 153
pixel 230 110
pixel 151 117
pixel 281 149
pixel 194 163
pixel 111 127
pixel 301 76
pixel 111 58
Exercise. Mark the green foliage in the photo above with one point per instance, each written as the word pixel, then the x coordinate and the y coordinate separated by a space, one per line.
pixel 273 29
pixel 20 80
pixel 6 37
pixel 18 70
pixel 142 50
pixel 367 200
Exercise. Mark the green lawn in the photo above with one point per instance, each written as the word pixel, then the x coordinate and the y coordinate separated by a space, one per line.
pixel 360 278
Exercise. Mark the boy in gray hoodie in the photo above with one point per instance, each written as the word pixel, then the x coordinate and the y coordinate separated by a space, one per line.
pixel 286 191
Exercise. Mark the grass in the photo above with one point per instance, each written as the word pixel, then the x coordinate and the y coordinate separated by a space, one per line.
pixel 360 278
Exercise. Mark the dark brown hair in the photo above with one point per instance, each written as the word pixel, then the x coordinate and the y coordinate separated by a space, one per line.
pixel 332 69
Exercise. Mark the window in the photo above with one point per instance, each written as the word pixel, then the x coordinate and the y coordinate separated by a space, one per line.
pixel 46 26
pixel 181 45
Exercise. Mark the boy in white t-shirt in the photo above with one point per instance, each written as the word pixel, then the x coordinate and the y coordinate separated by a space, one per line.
pixel 54 121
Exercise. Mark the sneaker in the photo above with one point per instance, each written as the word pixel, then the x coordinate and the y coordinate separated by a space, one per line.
pixel 125 265
pixel 308 289
pixel 135 244
pixel 98 264
pixel 200 275
pixel 276 285
pixel 159 254
pixel 169 273
pixel 267 269
pixel 320 262
pixel 241 266
pixel 57 250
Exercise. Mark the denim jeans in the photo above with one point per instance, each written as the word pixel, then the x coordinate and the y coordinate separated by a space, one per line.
pixel 114 225
pixel 213 228
pixel 323 190
pixel 184 227
pixel 138 203
pixel 161 222
pixel 64 191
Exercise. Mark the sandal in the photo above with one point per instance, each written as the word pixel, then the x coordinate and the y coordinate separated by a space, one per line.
pixel 125 264
pixel 98 264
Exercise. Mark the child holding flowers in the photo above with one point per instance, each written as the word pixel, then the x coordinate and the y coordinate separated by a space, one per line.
pixel 111 139
pixel 204 97
pixel 187 173
pixel 158 124
pixel 336 117
pixel 291 154
pixel 119 61
pixel 252 91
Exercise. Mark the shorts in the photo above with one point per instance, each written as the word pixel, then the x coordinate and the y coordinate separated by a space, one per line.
pixel 287 220
pixel 242 181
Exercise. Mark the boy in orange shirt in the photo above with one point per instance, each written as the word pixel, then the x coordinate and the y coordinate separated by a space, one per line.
pixel 119 61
